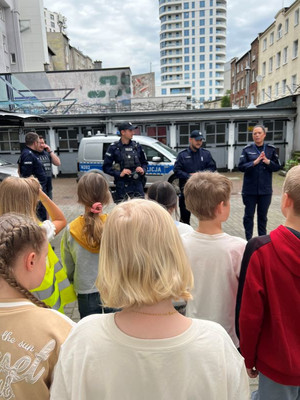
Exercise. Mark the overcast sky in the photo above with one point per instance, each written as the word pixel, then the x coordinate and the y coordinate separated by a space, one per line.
pixel 125 33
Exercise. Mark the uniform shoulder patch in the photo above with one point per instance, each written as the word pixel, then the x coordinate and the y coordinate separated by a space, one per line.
pixel 248 145
pixel 271 145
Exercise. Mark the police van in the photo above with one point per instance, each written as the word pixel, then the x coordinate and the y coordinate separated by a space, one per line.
pixel 160 157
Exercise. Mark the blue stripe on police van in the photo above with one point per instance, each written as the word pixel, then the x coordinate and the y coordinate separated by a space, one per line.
pixel 88 166
pixel 153 169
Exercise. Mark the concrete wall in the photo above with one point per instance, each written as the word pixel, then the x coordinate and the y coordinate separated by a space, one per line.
pixel 91 91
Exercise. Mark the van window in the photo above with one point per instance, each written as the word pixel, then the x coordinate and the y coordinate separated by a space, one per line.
pixel 92 151
pixel 151 152
pixel 105 148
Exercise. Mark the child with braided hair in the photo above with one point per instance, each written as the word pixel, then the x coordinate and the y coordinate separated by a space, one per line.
pixel 21 195
pixel 30 336
pixel 80 243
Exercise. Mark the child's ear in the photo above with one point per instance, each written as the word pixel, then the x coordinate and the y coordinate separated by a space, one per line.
pixel 30 261
pixel 219 208
pixel 287 202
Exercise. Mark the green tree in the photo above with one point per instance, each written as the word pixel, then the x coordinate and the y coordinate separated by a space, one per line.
pixel 225 101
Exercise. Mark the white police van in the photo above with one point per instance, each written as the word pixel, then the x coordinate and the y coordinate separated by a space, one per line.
pixel 160 157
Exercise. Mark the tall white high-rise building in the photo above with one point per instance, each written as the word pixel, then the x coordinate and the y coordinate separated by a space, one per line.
pixel 193 48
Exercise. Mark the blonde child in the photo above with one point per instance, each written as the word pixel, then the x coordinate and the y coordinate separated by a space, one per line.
pixel 164 193
pixel 30 336
pixel 214 255
pixel 148 350
pixel 81 242
pixel 21 195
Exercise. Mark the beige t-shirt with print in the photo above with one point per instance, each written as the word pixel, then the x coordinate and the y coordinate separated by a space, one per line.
pixel 30 340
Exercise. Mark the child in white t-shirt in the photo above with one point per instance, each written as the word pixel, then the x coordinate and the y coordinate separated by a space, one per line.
pixel 148 350
pixel 214 255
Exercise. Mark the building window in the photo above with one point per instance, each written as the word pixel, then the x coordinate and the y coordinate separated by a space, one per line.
pixel 202 40
pixel 68 139
pixel 186 6
pixel 163 91
pixel 253 75
pixel 202 13
pixel 270 65
pixel 2 14
pixel 202 22
pixel 13 58
pixel 9 140
pixel 278 59
pixel 279 31
pixel 202 49
pixel 285 55
pixel 263 95
pixel 52 25
pixel 283 86
pixel 271 38
pixel 296 17
pixel 294 83
pixel 186 24
pixel 286 26
pixel 264 44
pixel 202 31
pixel 295 48
pixel 52 16
pixel 270 92
pixel 202 57
pixel 264 69
pixel 276 89
pixel 4 43
pixel 202 4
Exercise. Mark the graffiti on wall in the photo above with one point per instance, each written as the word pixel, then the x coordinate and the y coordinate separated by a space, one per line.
pixel 143 85
pixel 66 92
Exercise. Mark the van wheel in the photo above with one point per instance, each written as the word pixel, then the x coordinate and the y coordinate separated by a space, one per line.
pixel 175 183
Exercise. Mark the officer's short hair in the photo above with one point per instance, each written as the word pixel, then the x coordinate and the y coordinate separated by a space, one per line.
pixel 142 260
pixel 291 186
pixel 260 126
pixel 204 191
pixel 30 138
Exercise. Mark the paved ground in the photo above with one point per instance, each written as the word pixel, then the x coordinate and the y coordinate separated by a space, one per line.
pixel 65 196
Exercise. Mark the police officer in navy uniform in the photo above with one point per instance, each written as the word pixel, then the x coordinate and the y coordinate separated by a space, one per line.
pixel 258 160
pixel 30 164
pixel 189 161
pixel 125 160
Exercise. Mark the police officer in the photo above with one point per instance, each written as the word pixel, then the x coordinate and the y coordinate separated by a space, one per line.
pixel 257 161
pixel 189 161
pixel 30 164
pixel 125 160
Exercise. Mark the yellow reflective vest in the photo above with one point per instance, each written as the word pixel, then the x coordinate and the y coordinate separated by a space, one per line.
pixel 56 290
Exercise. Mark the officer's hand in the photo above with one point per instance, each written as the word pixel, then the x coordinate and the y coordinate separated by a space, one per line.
pixel 264 158
pixel 259 158
pixel 124 172
pixel 47 148
pixel 140 170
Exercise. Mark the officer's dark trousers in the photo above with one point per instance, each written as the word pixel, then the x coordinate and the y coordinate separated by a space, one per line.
pixel 128 188
pixel 262 202
pixel 185 215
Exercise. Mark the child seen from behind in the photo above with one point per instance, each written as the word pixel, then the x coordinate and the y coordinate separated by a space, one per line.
pixel 80 243
pixel 214 255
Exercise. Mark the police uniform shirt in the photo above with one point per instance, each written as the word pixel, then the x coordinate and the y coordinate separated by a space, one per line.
pixel 31 165
pixel 114 157
pixel 189 161
pixel 258 178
